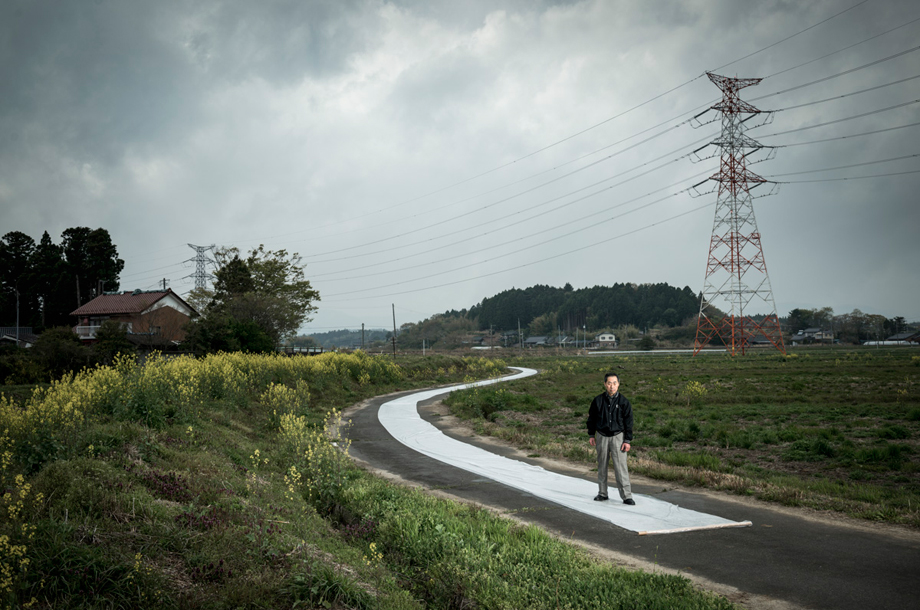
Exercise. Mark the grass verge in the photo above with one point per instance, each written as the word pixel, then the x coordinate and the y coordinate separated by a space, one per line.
pixel 214 484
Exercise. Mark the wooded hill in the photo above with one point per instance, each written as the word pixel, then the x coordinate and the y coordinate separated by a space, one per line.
pixel 545 308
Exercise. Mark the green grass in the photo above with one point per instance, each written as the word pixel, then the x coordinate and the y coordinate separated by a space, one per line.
pixel 241 502
pixel 835 429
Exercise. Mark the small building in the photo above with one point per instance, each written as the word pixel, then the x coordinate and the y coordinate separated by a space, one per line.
pixel 906 338
pixel 539 341
pixel 22 336
pixel 605 340
pixel 812 335
pixel 152 317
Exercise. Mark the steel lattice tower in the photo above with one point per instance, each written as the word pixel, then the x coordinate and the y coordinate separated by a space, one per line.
pixel 201 261
pixel 736 273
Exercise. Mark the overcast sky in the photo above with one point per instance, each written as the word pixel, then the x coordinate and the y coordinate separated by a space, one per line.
pixel 431 154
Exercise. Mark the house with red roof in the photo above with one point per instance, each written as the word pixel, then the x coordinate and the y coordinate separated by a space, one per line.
pixel 152 317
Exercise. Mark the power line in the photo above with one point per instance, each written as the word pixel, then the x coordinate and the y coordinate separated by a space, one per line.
pixel 839 74
pixel 451 219
pixel 543 260
pixel 850 118
pixel 913 171
pixel 432 210
pixel 568 234
pixel 480 209
pixel 150 270
pixel 855 135
pixel 528 237
pixel 837 97
pixel 530 247
pixel 846 48
pixel 811 27
pixel 498 229
pixel 828 169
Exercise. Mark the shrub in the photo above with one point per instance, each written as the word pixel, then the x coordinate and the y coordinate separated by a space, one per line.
pixel 894 432
pixel 59 351
pixel 705 461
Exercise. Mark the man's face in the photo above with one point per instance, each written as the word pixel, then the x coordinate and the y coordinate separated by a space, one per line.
pixel 612 384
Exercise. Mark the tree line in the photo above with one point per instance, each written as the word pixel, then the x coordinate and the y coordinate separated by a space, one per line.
pixel 46 281
pixel 544 309
pixel 853 327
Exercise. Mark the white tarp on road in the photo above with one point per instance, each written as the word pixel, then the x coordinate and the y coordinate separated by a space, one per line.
pixel 649 516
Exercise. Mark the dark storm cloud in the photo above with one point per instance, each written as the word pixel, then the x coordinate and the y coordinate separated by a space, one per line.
pixel 98 77
pixel 323 126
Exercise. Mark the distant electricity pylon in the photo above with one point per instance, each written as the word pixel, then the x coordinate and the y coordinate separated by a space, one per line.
pixel 736 273
pixel 201 260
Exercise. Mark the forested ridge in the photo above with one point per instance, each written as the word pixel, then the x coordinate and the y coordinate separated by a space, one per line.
pixel 597 307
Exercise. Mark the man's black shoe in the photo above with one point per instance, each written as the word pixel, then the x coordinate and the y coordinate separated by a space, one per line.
pixel 600 498
pixel 629 501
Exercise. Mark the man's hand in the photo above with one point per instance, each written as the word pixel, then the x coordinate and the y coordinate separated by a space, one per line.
pixel 624 447
pixel 591 441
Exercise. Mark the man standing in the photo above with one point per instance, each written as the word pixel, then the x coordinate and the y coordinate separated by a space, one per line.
pixel 610 426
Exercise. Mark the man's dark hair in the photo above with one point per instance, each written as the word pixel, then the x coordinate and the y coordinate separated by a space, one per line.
pixel 609 375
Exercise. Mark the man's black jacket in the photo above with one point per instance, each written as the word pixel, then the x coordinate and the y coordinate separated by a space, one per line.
pixel 611 415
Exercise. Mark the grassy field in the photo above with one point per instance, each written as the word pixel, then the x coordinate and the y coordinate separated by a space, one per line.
pixel 835 429
pixel 214 483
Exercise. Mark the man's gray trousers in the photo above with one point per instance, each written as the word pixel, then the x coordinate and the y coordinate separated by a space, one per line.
pixel 608 447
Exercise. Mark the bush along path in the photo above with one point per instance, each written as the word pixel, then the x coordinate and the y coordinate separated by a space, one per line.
pixel 215 483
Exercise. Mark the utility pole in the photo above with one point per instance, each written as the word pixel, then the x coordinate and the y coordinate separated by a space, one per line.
pixel 520 335
pixel 736 272
pixel 362 335
pixel 394 331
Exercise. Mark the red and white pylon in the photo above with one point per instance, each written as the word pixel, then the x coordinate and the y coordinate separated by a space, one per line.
pixel 736 274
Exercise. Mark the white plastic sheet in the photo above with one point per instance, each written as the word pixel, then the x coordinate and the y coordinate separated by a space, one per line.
pixel 649 516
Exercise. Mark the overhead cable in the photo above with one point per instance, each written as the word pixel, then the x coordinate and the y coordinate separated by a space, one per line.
pixel 839 74
pixel 811 27
pixel 828 169
pixel 528 237
pixel 850 118
pixel 855 135
pixel 837 97
pixel 606 240
pixel 913 171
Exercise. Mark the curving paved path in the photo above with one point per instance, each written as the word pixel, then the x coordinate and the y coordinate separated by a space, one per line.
pixel 650 515
pixel 785 560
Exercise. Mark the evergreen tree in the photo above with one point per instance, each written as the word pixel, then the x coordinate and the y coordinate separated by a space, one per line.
pixel 49 275
pixel 16 250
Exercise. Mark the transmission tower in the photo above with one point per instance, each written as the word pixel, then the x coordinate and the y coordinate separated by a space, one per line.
pixel 736 273
pixel 201 260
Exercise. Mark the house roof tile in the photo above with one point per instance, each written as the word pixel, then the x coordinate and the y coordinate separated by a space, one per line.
pixel 122 303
